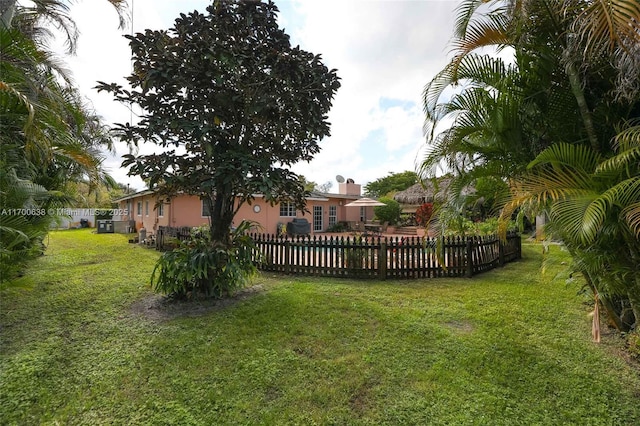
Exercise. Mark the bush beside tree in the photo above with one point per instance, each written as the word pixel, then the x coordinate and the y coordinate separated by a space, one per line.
pixel 390 212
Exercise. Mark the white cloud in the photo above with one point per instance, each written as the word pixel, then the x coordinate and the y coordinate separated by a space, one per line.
pixel 382 50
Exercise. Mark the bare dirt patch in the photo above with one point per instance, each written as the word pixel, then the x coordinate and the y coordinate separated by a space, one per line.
pixel 460 326
pixel 617 344
pixel 159 308
pixel 361 400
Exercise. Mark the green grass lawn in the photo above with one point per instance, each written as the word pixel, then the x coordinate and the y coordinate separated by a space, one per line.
pixel 512 347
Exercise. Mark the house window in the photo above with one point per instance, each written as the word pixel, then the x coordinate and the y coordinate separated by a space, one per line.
pixel 146 208
pixel 139 208
pixel 317 218
pixel 333 215
pixel 363 214
pixel 161 209
pixel 287 209
pixel 206 212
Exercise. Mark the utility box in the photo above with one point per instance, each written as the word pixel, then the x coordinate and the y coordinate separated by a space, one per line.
pixel 105 226
pixel 124 226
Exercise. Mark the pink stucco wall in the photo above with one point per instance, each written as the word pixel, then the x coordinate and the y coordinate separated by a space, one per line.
pixel 143 211
pixel 186 210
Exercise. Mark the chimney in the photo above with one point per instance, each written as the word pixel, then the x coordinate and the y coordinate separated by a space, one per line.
pixel 349 188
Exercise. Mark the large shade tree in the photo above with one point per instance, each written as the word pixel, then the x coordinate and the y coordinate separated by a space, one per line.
pixel 231 105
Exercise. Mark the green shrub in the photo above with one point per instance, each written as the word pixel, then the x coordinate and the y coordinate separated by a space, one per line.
pixel 390 212
pixel 407 219
pixel 455 224
pixel 633 344
pixel 199 267
pixel 338 227
pixel 452 222
pixel 490 226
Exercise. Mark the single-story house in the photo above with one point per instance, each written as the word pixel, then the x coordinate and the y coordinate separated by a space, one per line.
pixel 324 211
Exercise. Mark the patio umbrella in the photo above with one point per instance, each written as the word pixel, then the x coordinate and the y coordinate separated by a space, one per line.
pixel 364 202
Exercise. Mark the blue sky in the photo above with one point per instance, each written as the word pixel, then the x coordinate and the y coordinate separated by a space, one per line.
pixel 385 52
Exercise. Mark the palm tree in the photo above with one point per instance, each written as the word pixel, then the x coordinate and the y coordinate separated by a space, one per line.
pixel 56 12
pixel 568 93
pixel 577 34
pixel 549 39
pixel 48 136
pixel 594 206
pixel 487 136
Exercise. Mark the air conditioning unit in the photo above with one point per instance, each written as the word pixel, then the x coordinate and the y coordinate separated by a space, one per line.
pixel 105 226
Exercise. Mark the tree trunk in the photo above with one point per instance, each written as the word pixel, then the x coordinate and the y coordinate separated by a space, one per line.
pixel 583 107
pixel 221 218
pixel 613 317
pixel 634 301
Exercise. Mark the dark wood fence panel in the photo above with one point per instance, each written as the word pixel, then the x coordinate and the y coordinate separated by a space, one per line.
pixel 371 257
pixel 167 237
pixel 384 257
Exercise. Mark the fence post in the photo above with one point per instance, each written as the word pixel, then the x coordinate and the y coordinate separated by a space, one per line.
pixel 443 263
pixel 287 253
pixel 382 260
pixel 501 251
pixel 469 258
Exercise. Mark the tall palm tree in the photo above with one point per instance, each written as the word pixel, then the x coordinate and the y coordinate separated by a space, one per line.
pixel 578 34
pixel 571 92
pixel 549 39
pixel 48 136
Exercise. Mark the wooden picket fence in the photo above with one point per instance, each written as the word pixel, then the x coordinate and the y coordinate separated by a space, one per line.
pixel 384 257
pixel 167 237
pixel 372 257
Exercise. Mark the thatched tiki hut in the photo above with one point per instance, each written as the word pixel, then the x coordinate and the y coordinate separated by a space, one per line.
pixel 416 195
pixel 426 192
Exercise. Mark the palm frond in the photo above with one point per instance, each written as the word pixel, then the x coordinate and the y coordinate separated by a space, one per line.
pixel 475 70
pixel 54 12
pixel 464 14
pixel 631 214
pixel 624 193
pixel 491 31
pixel 627 146
pixel 608 25
pixel 578 157
pixel 18 97
pixel 580 217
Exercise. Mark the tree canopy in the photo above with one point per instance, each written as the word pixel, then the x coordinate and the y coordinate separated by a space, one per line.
pixel 313 186
pixel 394 182
pixel 232 105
